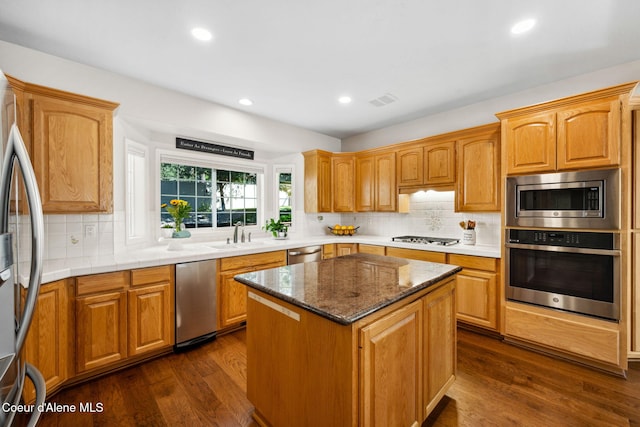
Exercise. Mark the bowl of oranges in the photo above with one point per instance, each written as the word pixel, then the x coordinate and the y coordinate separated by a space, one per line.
pixel 343 230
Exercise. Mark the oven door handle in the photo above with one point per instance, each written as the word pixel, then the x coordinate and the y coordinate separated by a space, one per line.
pixel 587 251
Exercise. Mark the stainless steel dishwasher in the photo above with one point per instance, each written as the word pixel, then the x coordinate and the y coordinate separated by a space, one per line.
pixel 305 254
pixel 195 303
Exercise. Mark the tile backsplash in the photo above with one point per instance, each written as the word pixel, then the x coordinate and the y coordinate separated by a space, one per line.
pixel 431 213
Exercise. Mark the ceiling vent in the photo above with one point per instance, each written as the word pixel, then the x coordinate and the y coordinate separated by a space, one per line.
pixel 383 100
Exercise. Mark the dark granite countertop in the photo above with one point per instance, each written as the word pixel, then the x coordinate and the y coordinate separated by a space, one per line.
pixel 348 288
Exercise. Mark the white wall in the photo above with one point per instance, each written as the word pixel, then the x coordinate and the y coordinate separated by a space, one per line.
pixel 484 112
pixel 152 116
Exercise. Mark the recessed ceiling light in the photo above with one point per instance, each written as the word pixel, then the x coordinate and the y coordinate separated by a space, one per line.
pixel 523 26
pixel 202 34
pixel 245 101
pixel 344 99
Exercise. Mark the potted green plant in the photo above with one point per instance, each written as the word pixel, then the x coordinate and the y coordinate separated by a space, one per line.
pixel 277 228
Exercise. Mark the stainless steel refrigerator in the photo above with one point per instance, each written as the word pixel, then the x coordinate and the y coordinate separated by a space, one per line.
pixel 21 253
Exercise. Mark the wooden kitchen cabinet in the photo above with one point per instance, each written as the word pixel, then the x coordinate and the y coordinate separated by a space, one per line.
pixel 346 249
pixel 101 320
pixel 328 251
pixel 417 254
pixel 376 182
pixel 478 171
pixel 440 163
pixel 578 132
pixel 386 373
pixel 410 162
pixel 232 295
pixel 477 293
pixel 71 141
pixel 343 182
pixel 47 343
pixel 317 181
pixel 371 249
pixel 151 309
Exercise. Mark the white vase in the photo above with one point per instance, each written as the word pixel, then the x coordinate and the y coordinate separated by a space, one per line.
pixel 166 233
pixel 468 237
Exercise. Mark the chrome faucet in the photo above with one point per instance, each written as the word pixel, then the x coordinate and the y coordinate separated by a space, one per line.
pixel 235 231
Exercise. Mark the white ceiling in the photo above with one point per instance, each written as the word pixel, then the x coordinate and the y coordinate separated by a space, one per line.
pixel 295 58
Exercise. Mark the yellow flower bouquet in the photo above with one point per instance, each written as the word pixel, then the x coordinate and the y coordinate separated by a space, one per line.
pixel 179 211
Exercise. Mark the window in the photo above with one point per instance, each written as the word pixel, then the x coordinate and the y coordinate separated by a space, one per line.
pixel 136 191
pixel 233 194
pixel 284 197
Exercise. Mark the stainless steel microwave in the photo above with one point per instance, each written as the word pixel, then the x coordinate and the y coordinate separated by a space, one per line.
pixel 587 200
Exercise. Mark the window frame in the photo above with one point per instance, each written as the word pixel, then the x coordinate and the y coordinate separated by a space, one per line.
pixel 213 162
pixel 133 212
pixel 277 170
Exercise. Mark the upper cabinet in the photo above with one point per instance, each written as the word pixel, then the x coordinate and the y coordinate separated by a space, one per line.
pixel 317 181
pixel 70 139
pixel 343 177
pixel 478 183
pixel 430 162
pixel 376 182
pixel 579 132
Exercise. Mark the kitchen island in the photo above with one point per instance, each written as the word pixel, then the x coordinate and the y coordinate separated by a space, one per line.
pixel 356 340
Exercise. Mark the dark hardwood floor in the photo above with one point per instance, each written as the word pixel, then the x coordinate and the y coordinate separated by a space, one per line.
pixel 497 384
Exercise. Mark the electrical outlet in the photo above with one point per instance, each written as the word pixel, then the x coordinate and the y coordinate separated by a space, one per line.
pixel 90 231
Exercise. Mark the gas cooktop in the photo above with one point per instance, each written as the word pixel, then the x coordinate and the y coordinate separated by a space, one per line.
pixel 426 240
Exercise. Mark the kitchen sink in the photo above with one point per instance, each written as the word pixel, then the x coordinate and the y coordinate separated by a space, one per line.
pixel 246 245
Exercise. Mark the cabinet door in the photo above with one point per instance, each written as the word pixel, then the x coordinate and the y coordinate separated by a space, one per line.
pixel 72 155
pixel 531 144
pixel 328 251
pixel 47 342
pixel 478 184
pixel 151 317
pixel 346 249
pixel 391 366
pixel 386 193
pixel 440 160
pixel 440 344
pixel 343 184
pixel 476 298
pixel 410 166
pixel 101 330
pixel 233 299
pixel 589 135
pixel 365 184
pixel 317 181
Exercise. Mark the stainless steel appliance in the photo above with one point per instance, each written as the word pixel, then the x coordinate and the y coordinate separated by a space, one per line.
pixel 306 254
pixel 567 270
pixel 15 317
pixel 196 311
pixel 588 200
pixel 426 240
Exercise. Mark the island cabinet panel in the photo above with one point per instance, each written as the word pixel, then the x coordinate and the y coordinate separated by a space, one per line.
pixel 439 344
pixel 46 346
pixel 391 368
pixel 232 296
pixel 477 294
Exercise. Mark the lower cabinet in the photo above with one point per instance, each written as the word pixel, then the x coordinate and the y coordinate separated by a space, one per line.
pixel 47 342
pixel 232 295
pixel 343 249
pixel 417 254
pixel 477 290
pixel 118 318
pixel 372 249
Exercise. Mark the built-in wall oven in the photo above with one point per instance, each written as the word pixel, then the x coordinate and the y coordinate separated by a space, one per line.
pixel 567 270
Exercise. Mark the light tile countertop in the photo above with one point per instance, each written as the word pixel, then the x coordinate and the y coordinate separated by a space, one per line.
pixel 159 254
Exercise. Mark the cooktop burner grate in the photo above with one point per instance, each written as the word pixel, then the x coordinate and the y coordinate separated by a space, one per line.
pixel 443 241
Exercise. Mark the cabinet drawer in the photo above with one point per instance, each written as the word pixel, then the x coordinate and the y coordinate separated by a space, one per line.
pixel 417 254
pixel 371 249
pixel 583 337
pixel 252 260
pixel 102 282
pixel 146 276
pixel 474 262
